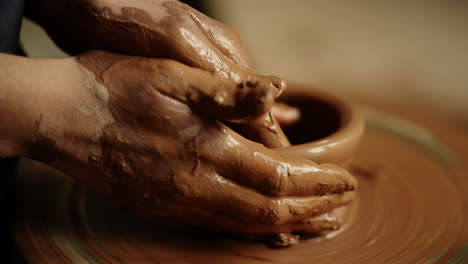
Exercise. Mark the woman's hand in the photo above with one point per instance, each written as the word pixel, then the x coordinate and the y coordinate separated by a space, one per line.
pixel 158 28
pixel 145 132
pixel 150 28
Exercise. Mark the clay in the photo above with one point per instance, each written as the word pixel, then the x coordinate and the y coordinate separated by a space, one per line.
pixel 336 138
pixel 335 141
pixel 409 208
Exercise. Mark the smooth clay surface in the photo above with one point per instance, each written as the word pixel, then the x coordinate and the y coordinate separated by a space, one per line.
pixel 329 130
pixel 410 207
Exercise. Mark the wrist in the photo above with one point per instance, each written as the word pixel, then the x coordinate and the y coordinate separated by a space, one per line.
pixel 66 105
pixel 73 115
pixel 19 97
pixel 52 111
pixel 33 95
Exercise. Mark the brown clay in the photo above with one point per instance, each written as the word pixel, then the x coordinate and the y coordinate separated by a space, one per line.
pixel 332 136
pixel 335 141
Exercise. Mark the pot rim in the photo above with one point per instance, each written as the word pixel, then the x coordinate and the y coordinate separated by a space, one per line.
pixel 347 135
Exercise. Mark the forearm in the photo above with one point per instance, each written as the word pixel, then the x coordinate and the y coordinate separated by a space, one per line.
pixel 29 97
pixel 20 108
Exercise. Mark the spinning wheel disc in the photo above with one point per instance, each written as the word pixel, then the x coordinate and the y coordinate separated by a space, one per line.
pixel 411 207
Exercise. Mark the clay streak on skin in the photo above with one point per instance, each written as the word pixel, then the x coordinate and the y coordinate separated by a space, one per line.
pixel 116 8
pixel 103 116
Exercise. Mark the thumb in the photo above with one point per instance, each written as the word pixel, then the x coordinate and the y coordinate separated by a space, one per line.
pixel 265 130
pixel 239 102
pixel 214 96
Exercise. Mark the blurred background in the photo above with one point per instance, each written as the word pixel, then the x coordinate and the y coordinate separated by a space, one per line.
pixel 408 53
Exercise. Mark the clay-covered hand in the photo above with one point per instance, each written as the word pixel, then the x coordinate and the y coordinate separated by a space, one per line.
pixel 158 28
pixel 145 132
pixel 150 28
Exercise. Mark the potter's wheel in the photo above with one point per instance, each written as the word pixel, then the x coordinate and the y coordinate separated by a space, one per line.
pixel 411 208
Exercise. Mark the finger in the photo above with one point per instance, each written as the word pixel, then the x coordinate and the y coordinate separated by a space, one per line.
pixel 198 41
pixel 211 95
pixel 322 223
pixel 316 225
pixel 230 207
pixel 275 240
pixel 253 165
pixel 225 38
pixel 285 114
pixel 209 45
pixel 264 130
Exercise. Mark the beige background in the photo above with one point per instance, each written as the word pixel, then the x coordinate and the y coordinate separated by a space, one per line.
pixel 405 52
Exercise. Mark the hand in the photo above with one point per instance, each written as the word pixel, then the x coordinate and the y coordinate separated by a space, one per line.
pixel 136 131
pixel 150 28
pixel 157 28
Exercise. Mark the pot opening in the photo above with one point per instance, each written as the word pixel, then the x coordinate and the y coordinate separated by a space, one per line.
pixel 319 119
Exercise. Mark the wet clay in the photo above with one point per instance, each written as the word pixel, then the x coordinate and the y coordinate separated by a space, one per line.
pixel 329 137
pixel 410 208
pixel 164 29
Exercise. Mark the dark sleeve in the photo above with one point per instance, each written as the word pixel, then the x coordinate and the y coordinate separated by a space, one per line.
pixel 11 14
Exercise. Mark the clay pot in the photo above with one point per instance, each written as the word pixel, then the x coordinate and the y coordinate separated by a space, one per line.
pixel 330 128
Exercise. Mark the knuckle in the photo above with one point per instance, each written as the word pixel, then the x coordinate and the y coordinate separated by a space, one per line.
pixel 321 207
pixel 212 137
pixel 176 20
pixel 276 213
pixel 278 184
pixel 344 181
pixel 321 188
pixel 165 65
